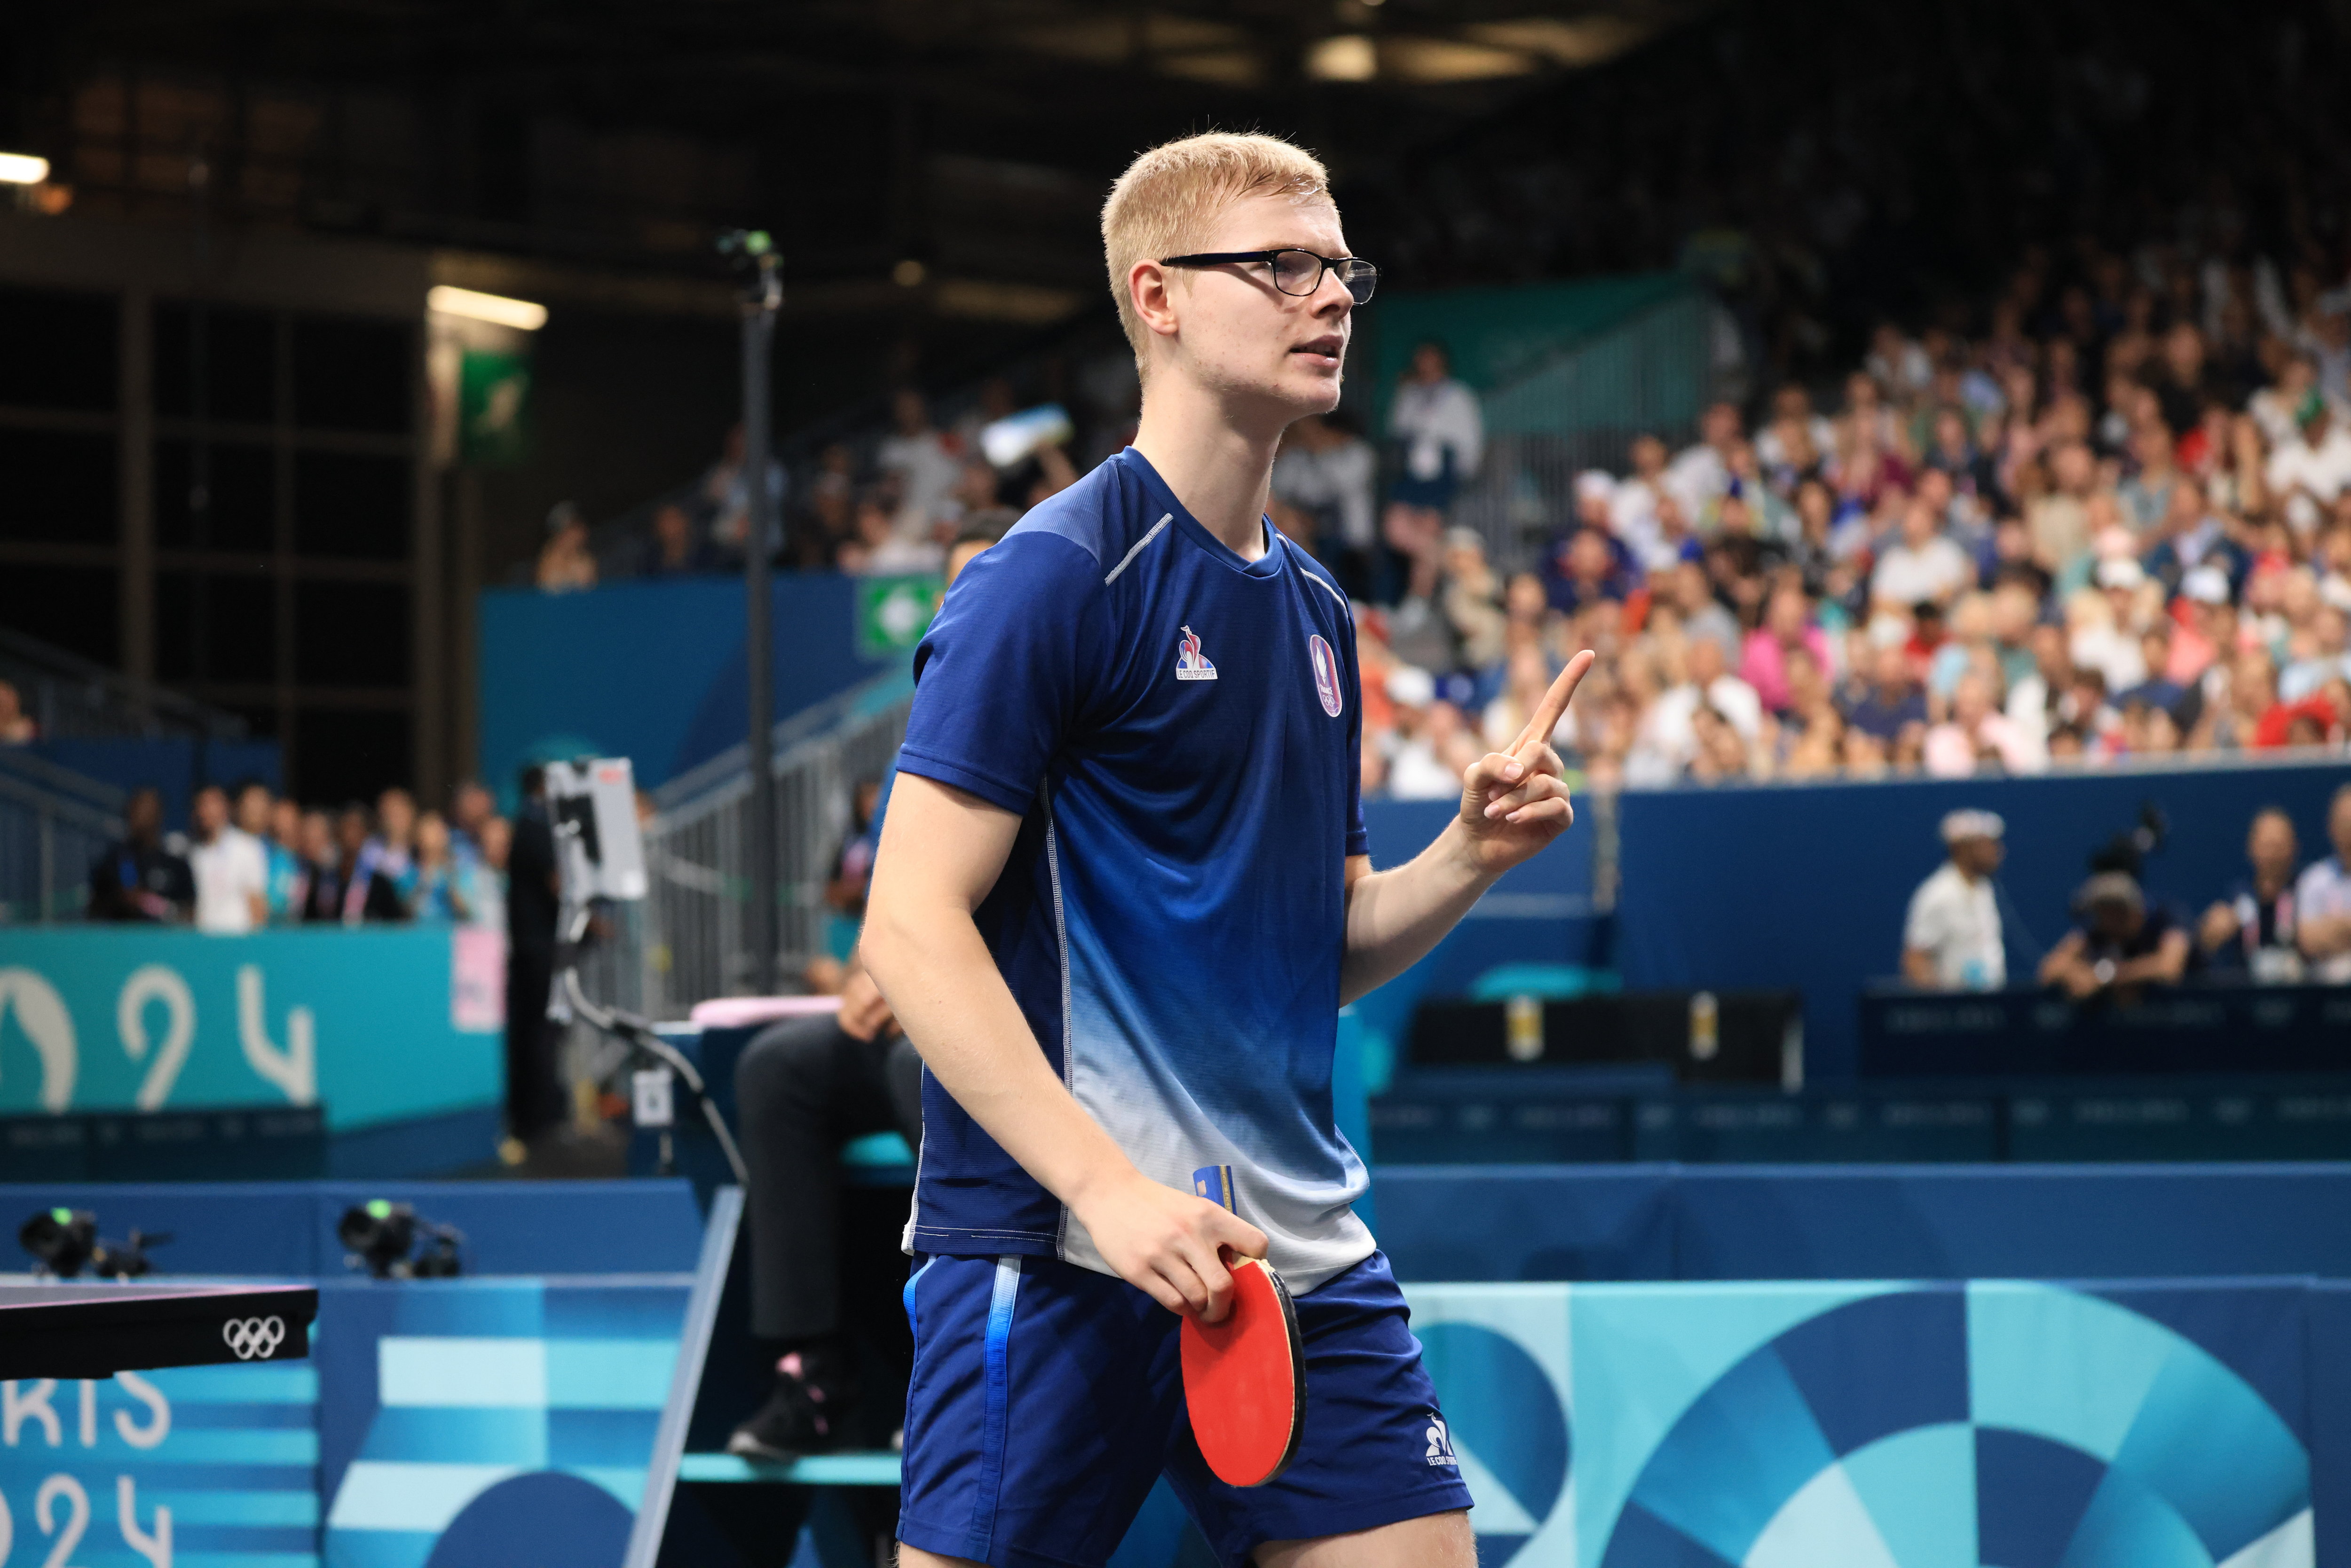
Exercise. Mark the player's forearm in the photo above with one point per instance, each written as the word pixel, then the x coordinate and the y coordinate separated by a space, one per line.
pixel 1396 917
pixel 947 993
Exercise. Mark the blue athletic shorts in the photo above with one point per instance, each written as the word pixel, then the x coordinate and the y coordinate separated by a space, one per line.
pixel 1046 1399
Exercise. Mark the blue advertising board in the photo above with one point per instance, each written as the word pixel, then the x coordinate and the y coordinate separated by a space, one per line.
pixel 378 1024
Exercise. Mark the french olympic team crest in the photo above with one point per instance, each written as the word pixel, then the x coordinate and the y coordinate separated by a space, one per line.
pixel 1190 666
pixel 1326 673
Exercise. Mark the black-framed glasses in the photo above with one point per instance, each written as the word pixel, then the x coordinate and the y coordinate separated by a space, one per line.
pixel 1295 272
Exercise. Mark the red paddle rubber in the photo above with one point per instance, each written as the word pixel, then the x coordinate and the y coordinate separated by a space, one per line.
pixel 1244 1380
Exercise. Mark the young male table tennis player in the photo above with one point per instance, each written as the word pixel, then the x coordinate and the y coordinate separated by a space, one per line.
pixel 1121 895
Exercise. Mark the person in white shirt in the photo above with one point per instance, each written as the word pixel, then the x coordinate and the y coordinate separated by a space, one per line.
pixel 1438 422
pixel 1672 720
pixel 230 868
pixel 1951 939
pixel 1924 564
pixel 2322 901
pixel 918 456
pixel 1700 473
pixel 1327 471
pixel 2309 472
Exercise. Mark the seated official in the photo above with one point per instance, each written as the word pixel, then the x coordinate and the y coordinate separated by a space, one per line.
pixel 804 1088
pixel 2123 943
pixel 2251 933
pixel 1952 937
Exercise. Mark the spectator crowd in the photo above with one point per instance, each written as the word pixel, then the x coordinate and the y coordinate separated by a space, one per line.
pixel 251 859
pixel 2114 521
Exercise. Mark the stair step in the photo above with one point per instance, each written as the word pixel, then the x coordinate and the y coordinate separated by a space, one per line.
pixel 879 1468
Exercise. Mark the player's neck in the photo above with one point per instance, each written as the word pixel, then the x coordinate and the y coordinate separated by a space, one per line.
pixel 1220 469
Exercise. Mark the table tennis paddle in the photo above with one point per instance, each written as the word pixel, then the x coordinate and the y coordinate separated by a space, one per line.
pixel 1245 1377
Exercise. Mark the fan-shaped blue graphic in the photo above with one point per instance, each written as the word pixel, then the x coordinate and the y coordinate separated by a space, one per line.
pixel 542 1517
pixel 1506 1420
pixel 2013 1426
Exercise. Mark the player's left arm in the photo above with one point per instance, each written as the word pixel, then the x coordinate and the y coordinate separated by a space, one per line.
pixel 1513 803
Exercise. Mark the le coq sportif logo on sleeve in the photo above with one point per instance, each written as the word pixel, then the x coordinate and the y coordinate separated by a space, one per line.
pixel 252 1339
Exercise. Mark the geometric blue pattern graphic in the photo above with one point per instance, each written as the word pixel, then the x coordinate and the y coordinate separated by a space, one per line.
pixel 2010 1425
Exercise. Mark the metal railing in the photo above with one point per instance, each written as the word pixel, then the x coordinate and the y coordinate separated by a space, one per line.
pixel 692 942
pixel 67 696
pixel 1650 374
pixel 53 823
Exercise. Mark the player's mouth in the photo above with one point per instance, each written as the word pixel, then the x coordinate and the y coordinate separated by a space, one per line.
pixel 1324 351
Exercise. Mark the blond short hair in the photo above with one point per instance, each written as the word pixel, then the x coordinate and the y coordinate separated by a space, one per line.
pixel 1167 199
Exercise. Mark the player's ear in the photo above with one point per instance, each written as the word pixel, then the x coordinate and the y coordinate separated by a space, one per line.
pixel 1151 289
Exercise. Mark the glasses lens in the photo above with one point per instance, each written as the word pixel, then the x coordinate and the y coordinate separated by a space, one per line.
pixel 1297 271
pixel 1361 278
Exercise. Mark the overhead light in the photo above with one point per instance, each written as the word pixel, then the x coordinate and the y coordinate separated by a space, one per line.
pixel 496 308
pixel 1348 57
pixel 909 274
pixel 22 169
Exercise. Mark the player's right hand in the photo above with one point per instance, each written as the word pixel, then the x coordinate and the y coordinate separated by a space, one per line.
pixel 1169 1244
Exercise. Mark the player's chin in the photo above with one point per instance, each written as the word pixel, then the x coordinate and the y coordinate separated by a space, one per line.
pixel 1310 382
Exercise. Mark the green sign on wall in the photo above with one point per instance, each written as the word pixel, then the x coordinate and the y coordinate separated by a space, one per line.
pixel 893 613
pixel 493 408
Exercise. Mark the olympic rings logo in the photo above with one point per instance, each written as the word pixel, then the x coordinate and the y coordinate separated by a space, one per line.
pixel 253 1338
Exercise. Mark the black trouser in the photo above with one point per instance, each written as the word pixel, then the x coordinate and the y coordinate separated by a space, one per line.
pixel 803 1088
pixel 535 1099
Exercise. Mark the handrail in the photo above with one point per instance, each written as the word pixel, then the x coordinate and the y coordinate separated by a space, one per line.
pixel 727 769
pixel 64 782
pixel 139 703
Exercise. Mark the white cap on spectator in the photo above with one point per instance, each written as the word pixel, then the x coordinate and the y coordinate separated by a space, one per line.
pixel 1889 631
pixel 1409 685
pixel 1973 824
pixel 2122 573
pixel 1595 485
pixel 2335 590
pixel 2205 585
pixel 2118 542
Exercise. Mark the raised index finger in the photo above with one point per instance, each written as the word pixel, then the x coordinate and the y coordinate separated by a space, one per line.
pixel 1553 706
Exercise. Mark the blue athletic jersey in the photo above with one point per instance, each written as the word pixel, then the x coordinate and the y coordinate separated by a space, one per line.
pixel 1180 731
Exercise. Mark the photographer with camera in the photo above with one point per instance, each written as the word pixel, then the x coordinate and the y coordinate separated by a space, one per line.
pixel 2123 942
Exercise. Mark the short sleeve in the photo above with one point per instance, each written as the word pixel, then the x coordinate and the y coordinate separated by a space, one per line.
pixel 1006 669
pixel 1924 930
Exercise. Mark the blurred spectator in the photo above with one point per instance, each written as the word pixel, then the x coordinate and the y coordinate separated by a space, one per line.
pixel 2251 930
pixel 437 898
pixel 16 725
pixel 678 547
pixel 2313 466
pixel 1923 566
pixel 139 877
pixel 481 878
pixel 1977 734
pixel 1326 470
pixel 471 806
pixel 880 549
pixel 917 458
pixel 1700 473
pixel 1787 627
pixel 320 893
pixel 1892 703
pixel 1707 687
pixel 1951 935
pixel 264 819
pixel 2322 900
pixel 727 501
pixel 2121 943
pixel 229 868
pixel 1436 420
pixel 566 564
pixel 391 853
pixel 344 886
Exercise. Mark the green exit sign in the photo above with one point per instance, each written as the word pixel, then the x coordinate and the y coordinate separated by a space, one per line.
pixel 893 613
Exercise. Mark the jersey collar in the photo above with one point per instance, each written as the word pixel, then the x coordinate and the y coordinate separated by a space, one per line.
pixel 1163 499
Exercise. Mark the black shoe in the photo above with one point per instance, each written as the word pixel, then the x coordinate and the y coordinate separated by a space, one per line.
pixel 802 1417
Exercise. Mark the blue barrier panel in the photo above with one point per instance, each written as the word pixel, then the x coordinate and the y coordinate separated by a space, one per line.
pixel 1540 913
pixel 175 763
pixel 1772 888
pixel 650 671
pixel 1910 1427
pixel 365 1022
pixel 1693 1222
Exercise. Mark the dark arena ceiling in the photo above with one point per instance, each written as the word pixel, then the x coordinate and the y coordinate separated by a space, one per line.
pixel 965 144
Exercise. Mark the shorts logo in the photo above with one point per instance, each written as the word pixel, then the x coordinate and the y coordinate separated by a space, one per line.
pixel 1326 673
pixel 1189 663
pixel 1440 1442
